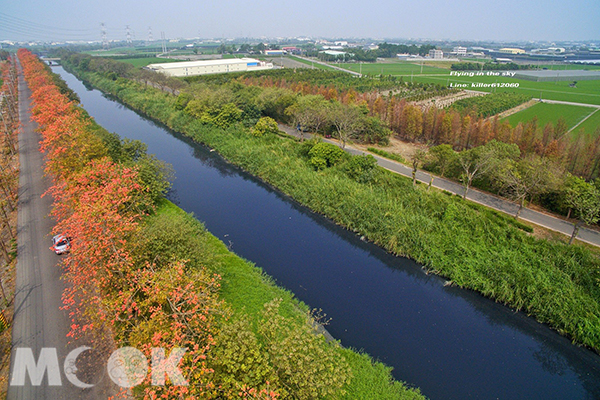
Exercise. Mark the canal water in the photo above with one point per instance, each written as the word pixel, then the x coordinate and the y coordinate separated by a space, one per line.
pixel 450 342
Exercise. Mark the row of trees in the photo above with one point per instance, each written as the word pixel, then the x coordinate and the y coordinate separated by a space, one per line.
pixel 388 50
pixel 100 203
pixel 152 280
pixel 9 168
pixel 502 168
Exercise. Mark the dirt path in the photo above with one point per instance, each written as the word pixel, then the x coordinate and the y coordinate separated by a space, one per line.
pixel 515 110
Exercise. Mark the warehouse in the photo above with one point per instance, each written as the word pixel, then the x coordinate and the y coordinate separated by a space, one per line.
pixel 191 68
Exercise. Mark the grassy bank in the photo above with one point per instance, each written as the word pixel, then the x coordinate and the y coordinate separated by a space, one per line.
pixel 246 289
pixel 472 246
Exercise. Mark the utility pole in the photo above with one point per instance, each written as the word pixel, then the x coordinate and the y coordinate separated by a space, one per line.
pixel 164 44
pixel 128 30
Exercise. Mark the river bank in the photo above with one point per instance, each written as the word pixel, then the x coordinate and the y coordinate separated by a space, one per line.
pixel 450 237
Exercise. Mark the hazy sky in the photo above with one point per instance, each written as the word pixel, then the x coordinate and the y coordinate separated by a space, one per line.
pixel 507 20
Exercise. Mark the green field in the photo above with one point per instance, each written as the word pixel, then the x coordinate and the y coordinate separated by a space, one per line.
pixel 590 125
pixel 315 65
pixel 586 92
pixel 392 68
pixel 546 112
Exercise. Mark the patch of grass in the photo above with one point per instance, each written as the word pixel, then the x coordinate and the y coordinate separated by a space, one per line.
pixel 387 154
pixel 586 92
pixel 391 68
pixel 546 112
pixel 313 64
pixel 246 288
pixel 591 125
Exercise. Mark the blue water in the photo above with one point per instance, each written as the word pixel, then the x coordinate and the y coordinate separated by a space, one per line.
pixel 451 343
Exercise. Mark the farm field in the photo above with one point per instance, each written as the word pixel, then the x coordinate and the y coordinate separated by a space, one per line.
pixel 590 125
pixel 586 92
pixel 546 112
pixel 316 65
pixel 391 68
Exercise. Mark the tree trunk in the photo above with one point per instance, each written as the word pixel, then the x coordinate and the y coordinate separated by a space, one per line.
pixel 520 208
pixel 414 177
pixel 430 182
pixel 569 213
pixel 4 251
pixel 575 231
pixel 466 191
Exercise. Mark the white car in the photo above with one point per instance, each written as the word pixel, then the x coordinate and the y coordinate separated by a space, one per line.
pixel 61 244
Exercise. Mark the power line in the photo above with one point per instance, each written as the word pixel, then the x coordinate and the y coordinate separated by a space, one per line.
pixel 41 26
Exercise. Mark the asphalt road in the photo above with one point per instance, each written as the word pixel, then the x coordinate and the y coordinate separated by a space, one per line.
pixel 38 321
pixel 497 203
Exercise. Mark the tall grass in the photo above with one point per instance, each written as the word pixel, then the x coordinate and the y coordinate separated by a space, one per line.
pixel 472 246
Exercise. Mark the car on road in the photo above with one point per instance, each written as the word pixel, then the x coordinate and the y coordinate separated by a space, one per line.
pixel 61 244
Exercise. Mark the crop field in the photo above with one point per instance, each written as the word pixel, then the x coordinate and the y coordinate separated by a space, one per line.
pixel 590 125
pixel 315 65
pixel 547 112
pixel 397 68
pixel 586 92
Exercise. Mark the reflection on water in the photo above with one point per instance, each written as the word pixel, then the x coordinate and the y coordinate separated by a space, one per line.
pixel 450 342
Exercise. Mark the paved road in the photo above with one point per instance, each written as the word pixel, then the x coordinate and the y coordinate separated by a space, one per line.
pixel 38 321
pixel 570 103
pixel 500 204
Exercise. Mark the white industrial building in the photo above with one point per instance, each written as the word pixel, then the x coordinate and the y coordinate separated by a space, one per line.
pixel 436 54
pixel 191 68
pixel 460 51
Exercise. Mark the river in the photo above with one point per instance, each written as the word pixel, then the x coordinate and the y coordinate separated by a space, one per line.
pixel 450 342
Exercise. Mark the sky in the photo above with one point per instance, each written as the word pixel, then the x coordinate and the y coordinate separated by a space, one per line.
pixel 478 20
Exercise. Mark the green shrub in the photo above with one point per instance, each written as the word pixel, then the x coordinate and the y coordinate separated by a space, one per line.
pixel 324 155
pixel 182 100
pixel 361 168
pixel 265 125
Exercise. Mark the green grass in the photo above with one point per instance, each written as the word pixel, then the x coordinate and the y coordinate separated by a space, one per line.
pixel 142 62
pixel 472 246
pixel 547 112
pixel 313 64
pixel 246 288
pixel 586 92
pixel 386 154
pixel 391 68
pixel 590 125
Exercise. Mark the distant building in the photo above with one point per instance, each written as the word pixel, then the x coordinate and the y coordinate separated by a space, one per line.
pixel 274 52
pixel 509 50
pixel 191 68
pixel 504 60
pixel 436 54
pixel 333 52
pixel 292 50
pixel 460 51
